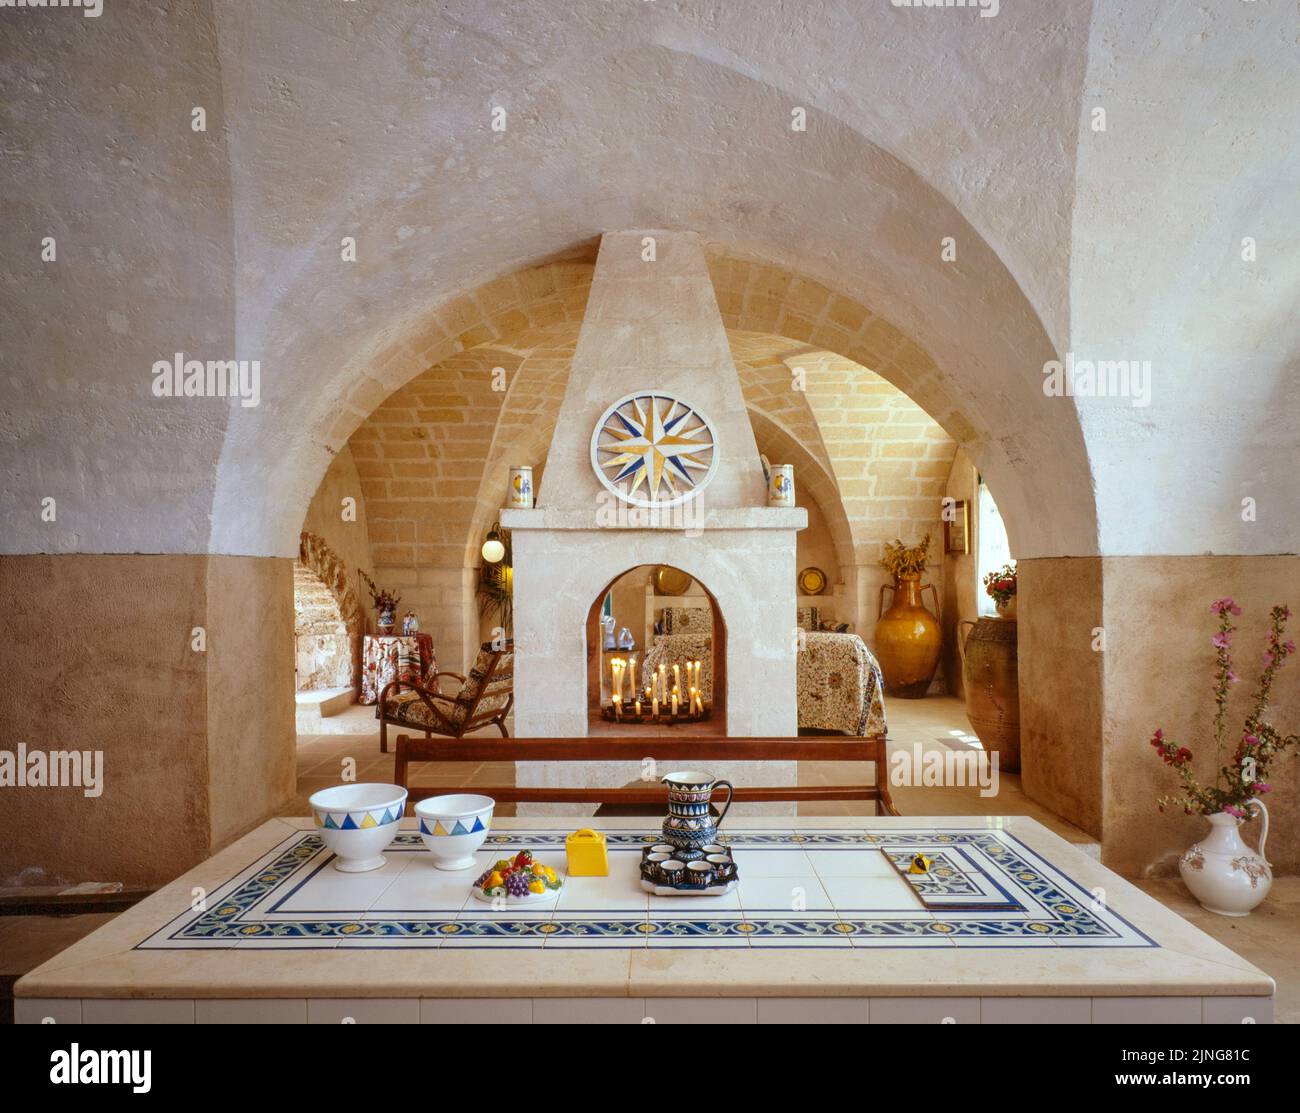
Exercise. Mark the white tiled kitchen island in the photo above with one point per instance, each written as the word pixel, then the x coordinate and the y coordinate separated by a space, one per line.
pixel 1012 924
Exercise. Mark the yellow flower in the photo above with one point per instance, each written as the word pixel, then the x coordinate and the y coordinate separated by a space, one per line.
pixel 537 886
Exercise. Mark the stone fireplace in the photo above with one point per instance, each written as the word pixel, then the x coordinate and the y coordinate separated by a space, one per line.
pixel 652 324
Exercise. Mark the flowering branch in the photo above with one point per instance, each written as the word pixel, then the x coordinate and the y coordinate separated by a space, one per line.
pixel 1245 775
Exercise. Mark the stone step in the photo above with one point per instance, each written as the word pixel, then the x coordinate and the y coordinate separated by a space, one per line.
pixel 322 703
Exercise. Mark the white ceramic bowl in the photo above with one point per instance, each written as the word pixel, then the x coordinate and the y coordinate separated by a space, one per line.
pixel 358 822
pixel 453 827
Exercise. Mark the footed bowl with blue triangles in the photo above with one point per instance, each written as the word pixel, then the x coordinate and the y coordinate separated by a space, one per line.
pixel 357 822
pixel 454 826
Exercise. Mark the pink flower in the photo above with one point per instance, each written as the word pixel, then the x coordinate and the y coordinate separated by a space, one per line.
pixel 1262 787
pixel 1221 640
pixel 1223 606
pixel 1232 809
pixel 1289 647
pixel 1232 677
pixel 1250 740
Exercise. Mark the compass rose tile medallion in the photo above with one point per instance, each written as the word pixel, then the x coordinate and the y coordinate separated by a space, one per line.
pixel 653 449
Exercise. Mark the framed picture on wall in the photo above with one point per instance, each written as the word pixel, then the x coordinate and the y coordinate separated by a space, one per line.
pixel 956 526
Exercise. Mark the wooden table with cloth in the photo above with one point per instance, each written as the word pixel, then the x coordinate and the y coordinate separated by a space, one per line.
pixel 388 657
pixel 840 686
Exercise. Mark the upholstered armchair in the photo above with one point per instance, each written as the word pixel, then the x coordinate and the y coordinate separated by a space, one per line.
pixel 485 698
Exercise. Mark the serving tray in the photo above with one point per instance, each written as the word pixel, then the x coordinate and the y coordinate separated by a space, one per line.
pixel 666 874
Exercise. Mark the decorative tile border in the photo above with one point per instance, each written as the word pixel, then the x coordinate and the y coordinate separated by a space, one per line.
pixel 994 891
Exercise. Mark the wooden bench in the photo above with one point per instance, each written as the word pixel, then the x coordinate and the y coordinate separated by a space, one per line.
pixel 668 753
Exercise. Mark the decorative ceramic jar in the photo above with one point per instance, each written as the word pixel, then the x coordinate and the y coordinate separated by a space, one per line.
pixel 519 494
pixel 689 826
pixel 991 679
pixel 780 485
pixel 908 638
pixel 1222 872
pixel 385 621
pixel 1007 609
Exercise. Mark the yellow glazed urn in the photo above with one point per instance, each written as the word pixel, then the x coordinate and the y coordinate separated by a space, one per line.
pixel 908 639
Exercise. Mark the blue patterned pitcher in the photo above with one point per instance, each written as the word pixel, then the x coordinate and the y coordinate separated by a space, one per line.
pixel 689 825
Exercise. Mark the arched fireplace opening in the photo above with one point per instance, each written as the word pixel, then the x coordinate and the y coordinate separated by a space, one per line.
pixel 671 618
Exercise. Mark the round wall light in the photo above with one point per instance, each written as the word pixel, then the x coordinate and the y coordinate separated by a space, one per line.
pixel 493 550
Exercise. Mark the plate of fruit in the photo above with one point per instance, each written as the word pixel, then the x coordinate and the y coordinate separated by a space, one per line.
pixel 518 880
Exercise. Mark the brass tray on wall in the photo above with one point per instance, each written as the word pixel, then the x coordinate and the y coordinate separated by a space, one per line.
pixel 671 581
pixel 812 581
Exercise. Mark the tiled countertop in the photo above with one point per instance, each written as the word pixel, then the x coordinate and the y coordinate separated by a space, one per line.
pixel 818 912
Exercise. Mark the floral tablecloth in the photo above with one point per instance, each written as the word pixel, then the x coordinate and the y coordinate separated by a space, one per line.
pixel 840 685
pixel 388 657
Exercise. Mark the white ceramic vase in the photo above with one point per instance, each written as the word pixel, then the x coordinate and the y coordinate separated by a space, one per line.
pixel 1222 872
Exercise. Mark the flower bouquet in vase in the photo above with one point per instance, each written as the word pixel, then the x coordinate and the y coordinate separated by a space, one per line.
pixel 1221 871
pixel 385 604
pixel 1001 588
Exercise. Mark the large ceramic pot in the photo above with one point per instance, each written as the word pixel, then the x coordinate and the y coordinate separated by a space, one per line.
pixel 908 638
pixel 993 688
pixel 1222 872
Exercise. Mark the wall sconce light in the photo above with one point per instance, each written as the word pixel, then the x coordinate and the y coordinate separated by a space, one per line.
pixel 493 549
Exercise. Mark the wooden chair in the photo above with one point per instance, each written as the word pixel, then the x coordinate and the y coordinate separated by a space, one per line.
pixel 484 699
pixel 667 754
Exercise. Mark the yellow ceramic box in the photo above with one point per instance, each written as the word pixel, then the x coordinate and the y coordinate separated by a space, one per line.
pixel 586 854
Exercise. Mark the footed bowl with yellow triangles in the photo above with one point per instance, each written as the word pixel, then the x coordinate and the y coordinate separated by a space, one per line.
pixel 357 822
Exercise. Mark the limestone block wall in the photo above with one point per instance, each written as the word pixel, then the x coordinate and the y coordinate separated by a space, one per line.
pixel 197 744
pixel 322 650
pixel 958 578
pixel 1158 661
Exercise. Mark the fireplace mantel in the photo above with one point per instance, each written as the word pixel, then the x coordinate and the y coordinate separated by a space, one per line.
pixel 721 518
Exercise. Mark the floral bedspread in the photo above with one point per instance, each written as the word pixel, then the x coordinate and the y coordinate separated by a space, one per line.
pixel 838 680
pixel 388 657
pixel 840 686
pixel 676 649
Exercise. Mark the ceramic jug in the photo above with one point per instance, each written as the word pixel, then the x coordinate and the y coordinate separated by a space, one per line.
pixel 1222 872
pixel 689 826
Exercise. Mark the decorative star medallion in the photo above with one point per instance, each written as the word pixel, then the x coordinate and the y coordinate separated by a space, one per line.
pixel 653 450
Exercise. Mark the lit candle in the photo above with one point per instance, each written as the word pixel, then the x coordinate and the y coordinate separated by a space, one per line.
pixel 677 677
pixel 637 707
pixel 654 707
pixel 631 676
pixel 674 705
pixel 663 684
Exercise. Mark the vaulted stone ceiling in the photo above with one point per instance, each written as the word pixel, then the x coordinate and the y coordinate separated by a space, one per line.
pixel 374 121
pixel 433 458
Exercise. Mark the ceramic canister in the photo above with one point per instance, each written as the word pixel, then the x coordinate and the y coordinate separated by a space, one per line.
pixel 519 493
pixel 780 487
